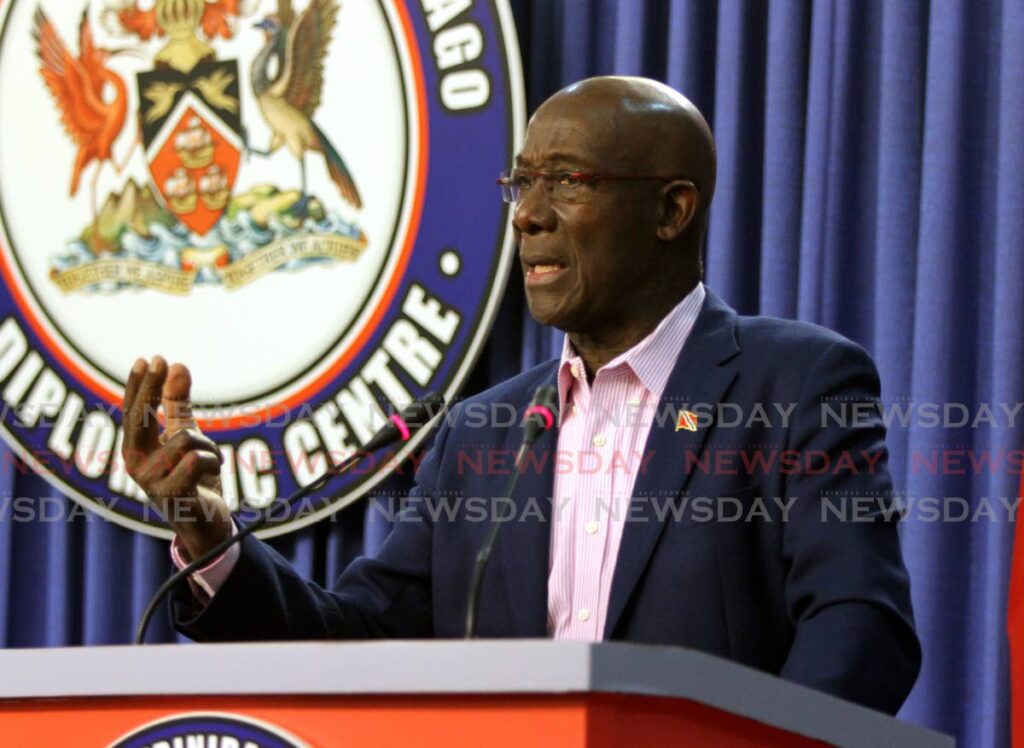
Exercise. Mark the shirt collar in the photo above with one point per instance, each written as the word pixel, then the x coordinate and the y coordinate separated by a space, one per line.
pixel 652 359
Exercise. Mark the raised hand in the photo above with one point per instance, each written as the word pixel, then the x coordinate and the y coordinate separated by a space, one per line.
pixel 178 468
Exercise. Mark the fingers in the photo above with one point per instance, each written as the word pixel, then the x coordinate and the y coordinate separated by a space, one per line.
pixel 175 462
pixel 179 467
pixel 142 396
pixel 186 475
pixel 129 447
pixel 134 379
pixel 189 440
pixel 183 481
pixel 163 461
pixel 175 398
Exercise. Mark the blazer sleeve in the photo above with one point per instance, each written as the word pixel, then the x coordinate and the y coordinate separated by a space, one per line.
pixel 389 595
pixel 847 589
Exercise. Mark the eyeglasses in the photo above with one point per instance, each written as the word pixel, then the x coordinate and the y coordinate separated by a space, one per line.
pixel 563 186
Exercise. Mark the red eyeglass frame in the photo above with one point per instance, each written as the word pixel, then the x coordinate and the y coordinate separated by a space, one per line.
pixel 587 177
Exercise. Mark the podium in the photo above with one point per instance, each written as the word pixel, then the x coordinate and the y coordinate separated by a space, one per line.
pixel 423 693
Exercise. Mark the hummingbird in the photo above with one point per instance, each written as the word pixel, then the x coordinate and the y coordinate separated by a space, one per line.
pixel 287 79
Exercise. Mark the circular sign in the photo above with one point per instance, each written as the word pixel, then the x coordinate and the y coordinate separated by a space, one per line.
pixel 294 199
pixel 201 728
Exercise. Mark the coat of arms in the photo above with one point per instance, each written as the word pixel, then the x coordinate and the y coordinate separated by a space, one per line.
pixel 187 222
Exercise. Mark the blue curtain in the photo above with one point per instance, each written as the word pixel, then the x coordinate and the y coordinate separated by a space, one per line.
pixel 871 179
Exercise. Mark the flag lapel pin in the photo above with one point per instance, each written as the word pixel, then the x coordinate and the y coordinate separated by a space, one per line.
pixel 687 420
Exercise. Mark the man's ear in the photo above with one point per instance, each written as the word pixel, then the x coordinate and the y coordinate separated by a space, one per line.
pixel 680 199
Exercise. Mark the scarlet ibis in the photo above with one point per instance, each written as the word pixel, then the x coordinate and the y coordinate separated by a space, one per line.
pixel 77 84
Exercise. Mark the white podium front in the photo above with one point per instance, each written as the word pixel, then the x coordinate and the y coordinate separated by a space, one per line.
pixel 449 693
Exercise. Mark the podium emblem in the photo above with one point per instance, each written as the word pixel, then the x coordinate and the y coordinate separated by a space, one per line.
pixel 209 728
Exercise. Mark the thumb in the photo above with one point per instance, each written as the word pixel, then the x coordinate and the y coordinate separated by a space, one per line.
pixel 175 399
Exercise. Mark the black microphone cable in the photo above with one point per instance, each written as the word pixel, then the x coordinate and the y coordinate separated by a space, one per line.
pixel 540 416
pixel 399 428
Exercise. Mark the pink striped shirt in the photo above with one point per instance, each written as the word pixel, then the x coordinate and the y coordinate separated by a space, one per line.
pixel 206 581
pixel 603 432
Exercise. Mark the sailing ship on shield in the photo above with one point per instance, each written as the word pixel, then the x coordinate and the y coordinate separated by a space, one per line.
pixel 187 224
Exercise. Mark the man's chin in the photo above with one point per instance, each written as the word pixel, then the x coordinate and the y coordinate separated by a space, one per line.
pixel 543 312
pixel 550 315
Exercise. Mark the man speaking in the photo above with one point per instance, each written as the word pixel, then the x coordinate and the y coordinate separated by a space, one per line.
pixel 611 193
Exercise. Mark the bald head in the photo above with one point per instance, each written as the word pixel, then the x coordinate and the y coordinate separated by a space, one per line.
pixel 651 128
pixel 613 183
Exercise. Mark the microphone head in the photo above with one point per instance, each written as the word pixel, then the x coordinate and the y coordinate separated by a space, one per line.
pixel 542 413
pixel 419 413
pixel 401 426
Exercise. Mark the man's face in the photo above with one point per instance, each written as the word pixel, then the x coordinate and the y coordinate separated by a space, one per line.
pixel 587 260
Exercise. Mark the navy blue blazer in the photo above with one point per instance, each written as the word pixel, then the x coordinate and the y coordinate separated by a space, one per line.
pixel 795 586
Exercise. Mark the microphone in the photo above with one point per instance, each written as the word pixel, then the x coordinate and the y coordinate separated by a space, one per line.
pixel 399 428
pixel 539 417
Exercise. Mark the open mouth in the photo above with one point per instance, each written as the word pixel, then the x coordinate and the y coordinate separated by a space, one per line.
pixel 544 269
pixel 543 273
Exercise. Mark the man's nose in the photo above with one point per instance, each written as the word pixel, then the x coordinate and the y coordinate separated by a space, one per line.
pixel 533 212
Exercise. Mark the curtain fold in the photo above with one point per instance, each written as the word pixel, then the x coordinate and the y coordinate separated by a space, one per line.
pixel 900 133
pixel 785 104
pixel 871 179
pixel 733 261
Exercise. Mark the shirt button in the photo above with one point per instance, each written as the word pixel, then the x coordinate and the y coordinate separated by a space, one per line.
pixel 575 371
pixel 634 403
pixel 591 528
pixel 599 440
pixel 575 409
pixel 583 615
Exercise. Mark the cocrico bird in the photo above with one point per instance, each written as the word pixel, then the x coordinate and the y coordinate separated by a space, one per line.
pixel 287 79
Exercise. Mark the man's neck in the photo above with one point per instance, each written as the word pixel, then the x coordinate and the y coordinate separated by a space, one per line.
pixel 598 348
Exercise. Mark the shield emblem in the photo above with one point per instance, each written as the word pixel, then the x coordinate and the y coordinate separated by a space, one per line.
pixel 192 130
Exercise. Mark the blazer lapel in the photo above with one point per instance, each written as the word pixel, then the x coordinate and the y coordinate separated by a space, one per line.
pixel 701 376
